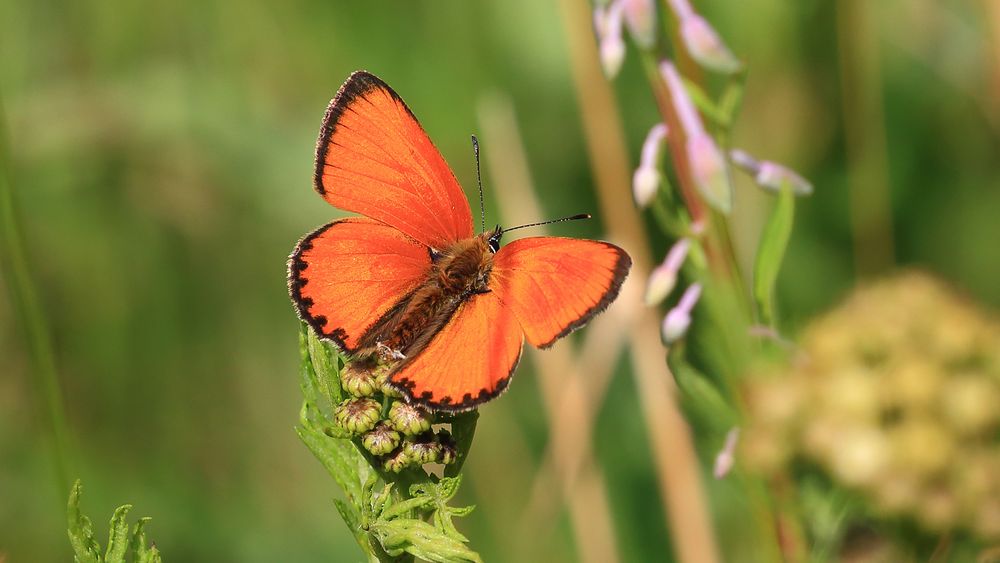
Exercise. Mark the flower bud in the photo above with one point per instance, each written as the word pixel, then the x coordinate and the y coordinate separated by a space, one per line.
pixel 612 45
pixel 640 16
pixel 357 416
pixel 771 176
pixel 681 8
pixel 706 47
pixel 681 100
pixel 358 380
pixel 678 319
pixel 408 419
pixel 647 177
pixel 664 277
pixel 396 461
pixel 381 378
pixel 423 450
pixel 709 172
pixel 725 460
pixel 381 440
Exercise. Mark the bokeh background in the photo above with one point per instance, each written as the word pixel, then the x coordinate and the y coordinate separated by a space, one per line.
pixel 161 156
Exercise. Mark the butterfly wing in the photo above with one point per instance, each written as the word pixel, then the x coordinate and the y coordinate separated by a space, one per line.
pixel 468 362
pixel 555 285
pixel 349 273
pixel 374 158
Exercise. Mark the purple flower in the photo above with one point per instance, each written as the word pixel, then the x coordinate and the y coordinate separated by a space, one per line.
pixel 663 278
pixel 608 26
pixel 727 456
pixel 678 319
pixel 771 175
pixel 647 177
pixel 640 16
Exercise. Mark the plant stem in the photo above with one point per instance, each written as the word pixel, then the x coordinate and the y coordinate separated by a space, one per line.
pixel 30 317
pixel 463 430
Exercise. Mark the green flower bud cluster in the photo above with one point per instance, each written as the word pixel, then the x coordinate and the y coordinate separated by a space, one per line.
pixel 401 438
pixel 897 396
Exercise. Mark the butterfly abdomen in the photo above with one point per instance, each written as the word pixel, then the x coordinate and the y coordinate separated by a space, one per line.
pixel 456 275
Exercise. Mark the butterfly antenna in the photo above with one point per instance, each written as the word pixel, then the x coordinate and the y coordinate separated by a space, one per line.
pixel 570 218
pixel 479 180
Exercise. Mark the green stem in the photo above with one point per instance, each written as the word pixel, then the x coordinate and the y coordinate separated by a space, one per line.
pixel 463 430
pixel 30 317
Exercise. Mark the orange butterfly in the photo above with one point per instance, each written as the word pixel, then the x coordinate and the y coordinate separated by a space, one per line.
pixel 410 283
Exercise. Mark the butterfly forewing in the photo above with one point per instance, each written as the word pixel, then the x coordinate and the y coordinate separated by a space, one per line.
pixel 374 158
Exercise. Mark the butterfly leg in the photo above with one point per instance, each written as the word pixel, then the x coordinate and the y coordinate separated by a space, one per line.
pixel 387 354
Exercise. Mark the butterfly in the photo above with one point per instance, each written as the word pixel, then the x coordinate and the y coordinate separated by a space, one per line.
pixel 409 283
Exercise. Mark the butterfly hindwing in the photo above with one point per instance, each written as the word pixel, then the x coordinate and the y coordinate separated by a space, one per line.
pixel 347 274
pixel 555 285
pixel 468 362
pixel 374 158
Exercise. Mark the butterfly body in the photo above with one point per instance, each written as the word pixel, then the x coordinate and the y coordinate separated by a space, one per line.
pixel 455 274
pixel 408 284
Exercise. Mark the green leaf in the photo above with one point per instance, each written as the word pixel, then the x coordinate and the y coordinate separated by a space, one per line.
pixel 118 537
pixel 771 252
pixel 705 104
pixel 120 542
pixel 141 552
pixel 700 396
pixel 81 530
pixel 353 520
pixel 422 540
pixel 308 380
pixel 438 494
pixel 339 458
pixel 731 99
pixel 326 364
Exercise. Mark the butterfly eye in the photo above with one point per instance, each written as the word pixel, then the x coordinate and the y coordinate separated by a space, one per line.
pixel 494 245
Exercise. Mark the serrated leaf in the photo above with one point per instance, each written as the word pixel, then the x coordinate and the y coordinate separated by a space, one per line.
pixel 340 460
pixel 327 367
pixel 307 374
pixel 141 552
pixel 403 508
pixel 118 537
pixel 771 252
pixel 437 495
pixel 81 530
pixel 422 540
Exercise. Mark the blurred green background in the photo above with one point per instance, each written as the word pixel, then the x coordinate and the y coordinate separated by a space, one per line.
pixel 161 155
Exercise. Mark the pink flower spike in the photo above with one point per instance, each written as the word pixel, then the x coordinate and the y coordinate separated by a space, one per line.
pixel 664 277
pixel 681 8
pixel 727 457
pixel 600 22
pixel 743 160
pixel 646 179
pixel 612 45
pixel 640 16
pixel 678 319
pixel 709 172
pixel 705 46
pixel 771 175
pixel 681 100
